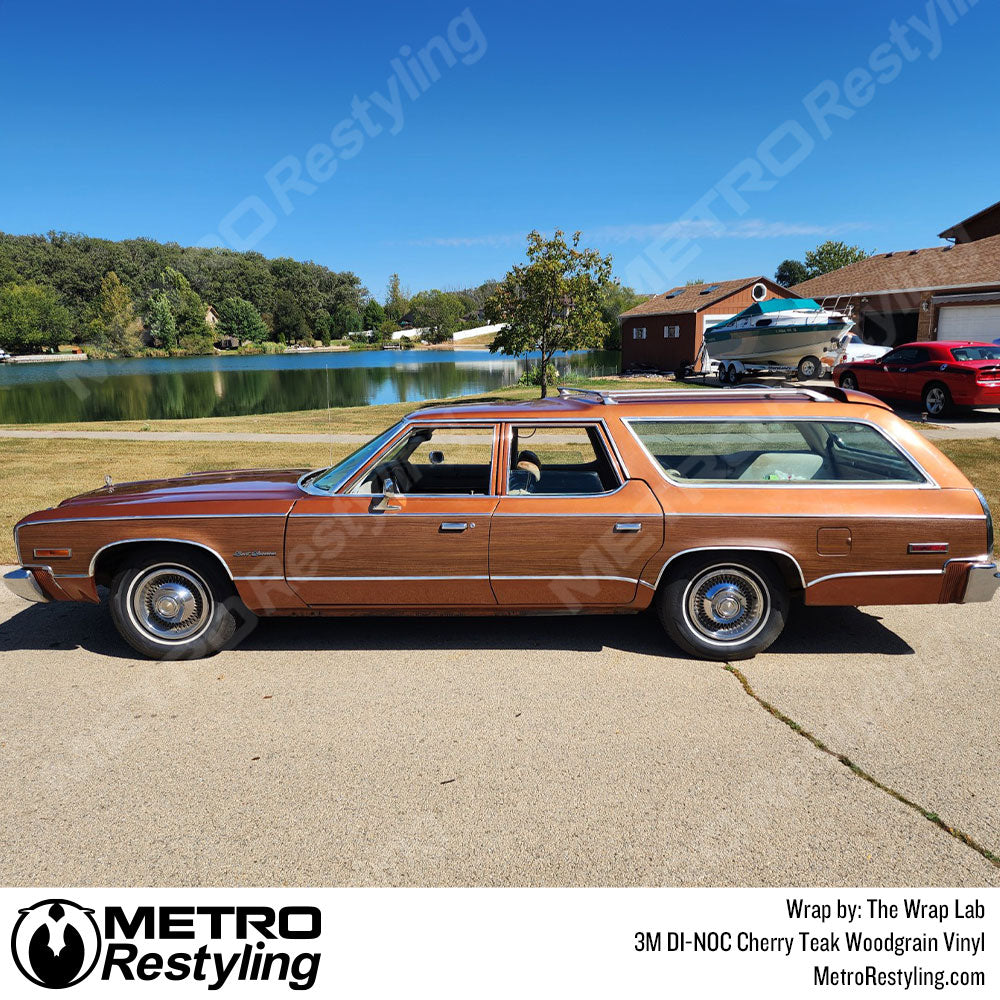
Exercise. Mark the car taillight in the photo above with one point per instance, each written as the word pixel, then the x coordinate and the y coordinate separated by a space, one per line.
pixel 989 522
pixel 988 374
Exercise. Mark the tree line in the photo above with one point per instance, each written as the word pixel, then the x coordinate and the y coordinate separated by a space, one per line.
pixel 67 288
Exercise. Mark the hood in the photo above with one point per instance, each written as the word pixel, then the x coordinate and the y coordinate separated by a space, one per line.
pixel 239 485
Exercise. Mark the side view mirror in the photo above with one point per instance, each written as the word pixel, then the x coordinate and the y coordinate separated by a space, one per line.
pixel 388 490
pixel 436 457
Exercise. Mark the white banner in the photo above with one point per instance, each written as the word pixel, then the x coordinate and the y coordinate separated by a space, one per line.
pixel 501 942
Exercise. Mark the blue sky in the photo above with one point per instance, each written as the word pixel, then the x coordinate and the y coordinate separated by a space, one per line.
pixel 254 125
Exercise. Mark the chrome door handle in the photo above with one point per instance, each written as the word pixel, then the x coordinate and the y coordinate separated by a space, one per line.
pixel 628 527
pixel 454 525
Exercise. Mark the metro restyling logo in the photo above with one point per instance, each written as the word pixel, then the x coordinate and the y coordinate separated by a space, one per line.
pixel 57 943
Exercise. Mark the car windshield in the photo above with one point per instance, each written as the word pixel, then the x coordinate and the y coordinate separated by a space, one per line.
pixel 978 352
pixel 333 478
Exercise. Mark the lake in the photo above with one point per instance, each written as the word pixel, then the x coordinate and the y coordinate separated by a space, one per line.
pixel 225 386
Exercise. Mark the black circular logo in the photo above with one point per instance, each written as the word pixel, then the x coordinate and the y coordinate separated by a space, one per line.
pixel 56 943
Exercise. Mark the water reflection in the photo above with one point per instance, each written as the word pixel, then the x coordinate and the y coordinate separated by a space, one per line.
pixel 163 389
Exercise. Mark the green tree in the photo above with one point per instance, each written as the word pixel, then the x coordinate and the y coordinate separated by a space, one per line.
pixel 323 327
pixel 552 303
pixel 791 272
pixel 114 324
pixel 240 320
pixel 616 299
pixel 160 322
pixel 31 318
pixel 397 301
pixel 373 316
pixel 346 319
pixel 289 320
pixel 831 256
pixel 193 332
pixel 440 312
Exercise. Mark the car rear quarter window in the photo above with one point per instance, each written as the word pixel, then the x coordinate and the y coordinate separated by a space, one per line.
pixel 976 352
pixel 774 452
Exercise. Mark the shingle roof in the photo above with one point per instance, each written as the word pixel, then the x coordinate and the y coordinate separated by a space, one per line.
pixel 957 266
pixel 690 298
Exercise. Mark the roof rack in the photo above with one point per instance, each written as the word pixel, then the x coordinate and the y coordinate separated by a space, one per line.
pixel 611 397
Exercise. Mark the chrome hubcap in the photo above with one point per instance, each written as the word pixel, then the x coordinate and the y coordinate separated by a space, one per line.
pixel 171 603
pixel 727 604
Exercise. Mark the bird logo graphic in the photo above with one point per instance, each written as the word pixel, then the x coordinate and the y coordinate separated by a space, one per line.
pixel 56 943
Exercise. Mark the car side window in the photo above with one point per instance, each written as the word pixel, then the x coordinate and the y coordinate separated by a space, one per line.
pixel 773 452
pixel 558 460
pixel 434 461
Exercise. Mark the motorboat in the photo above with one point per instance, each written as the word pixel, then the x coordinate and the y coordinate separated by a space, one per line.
pixel 777 332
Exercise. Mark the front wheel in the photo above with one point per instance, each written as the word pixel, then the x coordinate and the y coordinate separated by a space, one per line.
pixel 848 381
pixel 176 605
pixel 724 608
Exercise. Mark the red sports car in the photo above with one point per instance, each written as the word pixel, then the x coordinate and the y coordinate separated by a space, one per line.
pixel 940 374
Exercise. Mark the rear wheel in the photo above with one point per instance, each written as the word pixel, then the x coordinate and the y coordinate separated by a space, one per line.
pixel 936 399
pixel 717 607
pixel 848 381
pixel 733 375
pixel 176 604
pixel 809 367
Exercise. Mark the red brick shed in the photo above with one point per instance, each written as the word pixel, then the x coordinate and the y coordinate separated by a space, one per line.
pixel 665 331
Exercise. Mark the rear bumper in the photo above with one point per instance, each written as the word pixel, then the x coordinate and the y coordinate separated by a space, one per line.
pixel 23 584
pixel 982 583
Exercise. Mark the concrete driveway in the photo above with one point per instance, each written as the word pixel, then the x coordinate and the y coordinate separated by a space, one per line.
pixel 565 751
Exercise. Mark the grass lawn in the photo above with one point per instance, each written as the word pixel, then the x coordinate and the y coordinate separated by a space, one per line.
pixel 39 473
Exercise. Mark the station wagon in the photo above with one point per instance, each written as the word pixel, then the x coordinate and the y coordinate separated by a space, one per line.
pixel 715 508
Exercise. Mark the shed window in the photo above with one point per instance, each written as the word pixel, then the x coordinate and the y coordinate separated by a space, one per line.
pixel 639 333
pixel 671 331
pixel 774 452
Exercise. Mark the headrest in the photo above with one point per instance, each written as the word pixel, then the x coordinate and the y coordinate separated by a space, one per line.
pixel 529 462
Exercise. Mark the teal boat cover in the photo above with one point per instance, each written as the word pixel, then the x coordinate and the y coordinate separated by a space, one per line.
pixel 771 306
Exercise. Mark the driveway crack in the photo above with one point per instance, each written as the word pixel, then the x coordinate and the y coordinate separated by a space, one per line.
pixel 860 772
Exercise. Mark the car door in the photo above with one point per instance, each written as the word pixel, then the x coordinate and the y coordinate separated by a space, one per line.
pixel 911 374
pixel 570 529
pixel 889 374
pixel 425 545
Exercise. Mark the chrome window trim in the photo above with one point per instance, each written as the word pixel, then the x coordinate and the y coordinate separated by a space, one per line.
pixel 929 481
pixel 409 425
pixel 312 491
pixel 410 422
pixel 179 541
pixel 730 548
pixel 620 471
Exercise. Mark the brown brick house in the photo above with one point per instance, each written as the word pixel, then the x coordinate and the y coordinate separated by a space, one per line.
pixel 665 331
pixel 939 293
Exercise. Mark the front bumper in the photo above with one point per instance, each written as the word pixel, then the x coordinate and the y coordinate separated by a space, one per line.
pixel 982 583
pixel 22 582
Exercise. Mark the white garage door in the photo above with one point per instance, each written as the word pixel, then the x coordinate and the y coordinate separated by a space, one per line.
pixel 969 323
